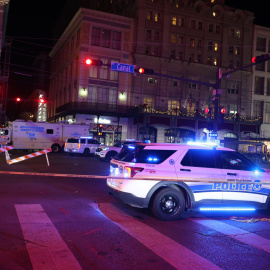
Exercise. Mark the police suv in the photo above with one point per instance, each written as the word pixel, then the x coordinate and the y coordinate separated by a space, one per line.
pixel 172 178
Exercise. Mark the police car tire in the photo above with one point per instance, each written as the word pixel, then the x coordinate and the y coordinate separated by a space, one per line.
pixel 86 152
pixel 168 204
pixel 110 155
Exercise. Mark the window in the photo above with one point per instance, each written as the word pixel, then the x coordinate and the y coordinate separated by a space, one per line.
pixel 210 46
pixel 193 24
pixel 96 33
pixel 231 160
pixel 157 36
pixel 112 96
pixel 200 25
pixel 104 70
pixel 237 51
pixel 149 16
pixel 181 22
pixel 199 44
pixel 174 20
pixel 267 113
pixel 157 17
pixel 231 49
pixel 116 40
pixel 237 33
pixel 261 44
pixel 217 29
pixel 172 55
pixel 268 87
pixel 49 131
pixel 106 38
pixel 173 38
pixel 231 109
pixel 199 158
pixel 211 28
pixel 257 108
pixel 192 42
pixel 173 104
pixel 102 95
pixel 216 47
pixel 180 40
pixel 92 94
pixel 148 34
pixel 259 85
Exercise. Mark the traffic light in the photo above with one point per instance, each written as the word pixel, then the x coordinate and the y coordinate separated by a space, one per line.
pixel 222 115
pixel 92 62
pixel 209 120
pixel 260 59
pixel 18 99
pixel 41 100
pixel 144 71
pixel 100 126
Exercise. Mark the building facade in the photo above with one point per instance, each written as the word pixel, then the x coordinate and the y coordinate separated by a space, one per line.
pixel 187 44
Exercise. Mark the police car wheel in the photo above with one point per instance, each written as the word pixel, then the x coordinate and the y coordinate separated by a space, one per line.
pixel 168 204
pixel 110 155
pixel 86 152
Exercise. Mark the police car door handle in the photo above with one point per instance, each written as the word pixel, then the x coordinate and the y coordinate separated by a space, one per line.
pixel 231 173
pixel 185 170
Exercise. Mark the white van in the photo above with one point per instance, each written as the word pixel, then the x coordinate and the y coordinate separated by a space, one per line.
pixel 83 145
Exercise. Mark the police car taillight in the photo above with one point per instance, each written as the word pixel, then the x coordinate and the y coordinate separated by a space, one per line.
pixel 79 145
pixel 131 171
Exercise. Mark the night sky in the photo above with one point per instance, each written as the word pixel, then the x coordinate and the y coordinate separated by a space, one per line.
pixel 30 25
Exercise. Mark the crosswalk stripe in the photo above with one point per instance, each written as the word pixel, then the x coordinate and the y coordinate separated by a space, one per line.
pixel 236 233
pixel 169 250
pixel 46 248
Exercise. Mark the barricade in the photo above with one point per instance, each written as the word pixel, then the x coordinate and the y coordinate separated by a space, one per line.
pixel 15 160
pixel 3 149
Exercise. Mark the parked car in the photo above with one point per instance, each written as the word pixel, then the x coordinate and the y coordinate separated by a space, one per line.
pixel 83 145
pixel 172 178
pixel 109 152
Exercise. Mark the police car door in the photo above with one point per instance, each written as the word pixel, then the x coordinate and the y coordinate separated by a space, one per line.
pixel 200 165
pixel 243 179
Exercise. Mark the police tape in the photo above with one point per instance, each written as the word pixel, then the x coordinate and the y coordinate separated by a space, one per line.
pixel 15 160
pixel 249 220
pixel 3 149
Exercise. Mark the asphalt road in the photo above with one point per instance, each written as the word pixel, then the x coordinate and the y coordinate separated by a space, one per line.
pixel 62 222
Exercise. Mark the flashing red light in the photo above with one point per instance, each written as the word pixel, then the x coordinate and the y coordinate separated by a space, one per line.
pixel 141 70
pixel 223 110
pixel 41 100
pixel 253 60
pixel 18 99
pixel 206 110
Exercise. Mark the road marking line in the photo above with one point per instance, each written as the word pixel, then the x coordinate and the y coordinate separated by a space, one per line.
pixel 236 233
pixel 46 248
pixel 172 252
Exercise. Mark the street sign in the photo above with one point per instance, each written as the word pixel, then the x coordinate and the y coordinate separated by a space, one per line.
pixel 213 134
pixel 122 67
